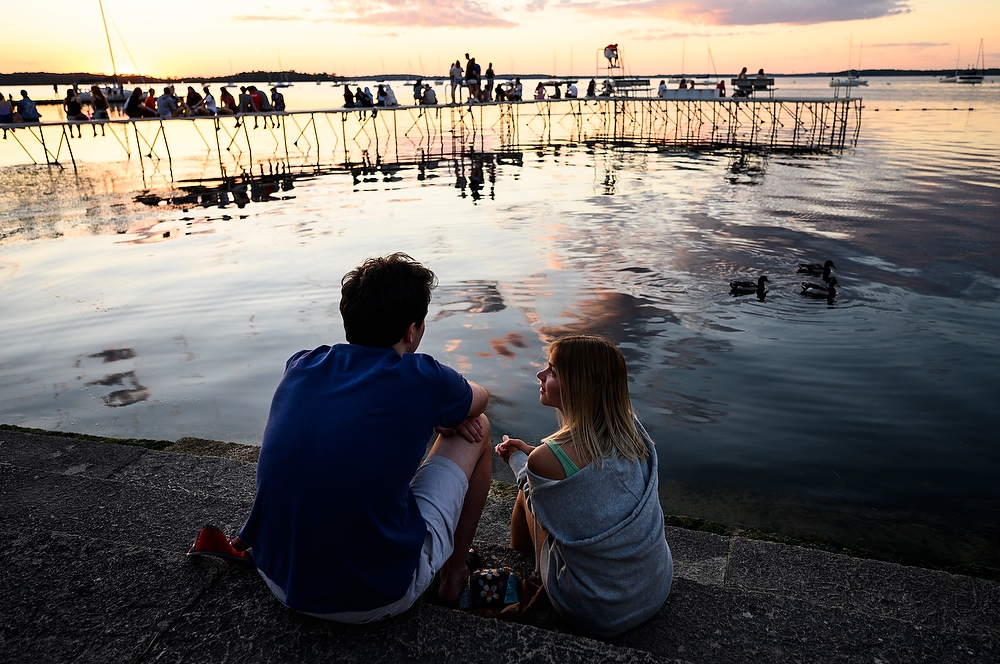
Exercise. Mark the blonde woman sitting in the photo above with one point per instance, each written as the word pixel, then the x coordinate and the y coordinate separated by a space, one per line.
pixel 588 504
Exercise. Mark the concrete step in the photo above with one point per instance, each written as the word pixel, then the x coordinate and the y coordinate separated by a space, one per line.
pixel 93 542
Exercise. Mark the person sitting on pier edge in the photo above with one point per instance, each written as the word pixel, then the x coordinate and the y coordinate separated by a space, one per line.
pixel 390 96
pixel 100 104
pixel 556 92
pixel 228 102
pixel 429 97
pixel 277 100
pixel 150 100
pixel 588 504
pixel 518 91
pixel 195 102
pixel 167 105
pixel 245 104
pixel 683 85
pixel 347 523
pixel 26 109
pixel 361 100
pixel 135 108
pixel 380 95
pixel 418 91
pixel 74 111
pixel 540 91
pixel 348 97
pixel 661 91
pixel 571 91
pixel 592 88
pixel 264 104
pixel 257 100
pixel 6 110
pixel 608 89
pixel 208 102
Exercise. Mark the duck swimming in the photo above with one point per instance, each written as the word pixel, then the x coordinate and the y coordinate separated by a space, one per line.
pixel 827 290
pixel 817 269
pixel 748 287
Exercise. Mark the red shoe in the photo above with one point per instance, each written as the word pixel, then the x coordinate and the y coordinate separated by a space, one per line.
pixel 211 541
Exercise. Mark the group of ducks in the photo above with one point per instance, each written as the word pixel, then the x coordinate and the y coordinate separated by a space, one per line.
pixel 826 290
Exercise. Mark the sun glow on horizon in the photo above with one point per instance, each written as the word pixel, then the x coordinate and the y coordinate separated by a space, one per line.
pixel 423 36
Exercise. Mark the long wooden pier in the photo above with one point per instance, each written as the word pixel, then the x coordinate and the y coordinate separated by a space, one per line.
pixel 381 137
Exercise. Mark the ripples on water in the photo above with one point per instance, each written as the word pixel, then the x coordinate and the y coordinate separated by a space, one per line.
pixel 870 421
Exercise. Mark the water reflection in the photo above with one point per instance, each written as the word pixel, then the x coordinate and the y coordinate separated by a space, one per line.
pixel 757 407
pixel 472 296
pixel 132 392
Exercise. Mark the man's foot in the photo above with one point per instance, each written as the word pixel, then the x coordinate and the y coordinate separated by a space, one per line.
pixel 450 582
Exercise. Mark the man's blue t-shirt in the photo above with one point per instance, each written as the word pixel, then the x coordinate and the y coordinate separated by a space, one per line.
pixel 334 523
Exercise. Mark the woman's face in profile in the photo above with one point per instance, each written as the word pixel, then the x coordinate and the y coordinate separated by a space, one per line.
pixel 548 393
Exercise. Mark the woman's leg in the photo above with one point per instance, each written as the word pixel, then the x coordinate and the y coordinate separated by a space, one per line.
pixel 523 528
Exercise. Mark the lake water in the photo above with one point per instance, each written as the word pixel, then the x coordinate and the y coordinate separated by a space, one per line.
pixel 870 422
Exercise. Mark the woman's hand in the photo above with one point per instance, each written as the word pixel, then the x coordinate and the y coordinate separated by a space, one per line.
pixel 510 445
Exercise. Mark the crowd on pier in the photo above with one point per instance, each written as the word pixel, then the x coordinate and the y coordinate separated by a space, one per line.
pixel 480 86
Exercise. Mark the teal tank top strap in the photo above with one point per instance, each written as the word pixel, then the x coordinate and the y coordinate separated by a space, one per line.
pixel 567 464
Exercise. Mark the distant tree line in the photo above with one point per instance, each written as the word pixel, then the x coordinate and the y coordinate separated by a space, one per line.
pixel 85 78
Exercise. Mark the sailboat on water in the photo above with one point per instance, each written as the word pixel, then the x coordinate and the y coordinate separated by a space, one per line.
pixel 853 78
pixel 115 93
pixel 972 75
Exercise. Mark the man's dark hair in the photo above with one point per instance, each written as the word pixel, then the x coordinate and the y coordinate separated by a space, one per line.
pixel 382 296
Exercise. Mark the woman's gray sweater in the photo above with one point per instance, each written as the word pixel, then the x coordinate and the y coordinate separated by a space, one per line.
pixel 605 565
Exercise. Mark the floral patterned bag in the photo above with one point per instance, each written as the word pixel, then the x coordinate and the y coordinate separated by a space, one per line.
pixel 488 592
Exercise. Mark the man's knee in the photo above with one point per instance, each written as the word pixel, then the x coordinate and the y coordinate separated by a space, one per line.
pixel 464 453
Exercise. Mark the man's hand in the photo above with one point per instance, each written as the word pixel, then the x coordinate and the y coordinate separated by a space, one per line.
pixel 509 445
pixel 471 429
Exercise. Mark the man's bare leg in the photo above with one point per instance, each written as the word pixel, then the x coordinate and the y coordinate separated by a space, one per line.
pixel 476 461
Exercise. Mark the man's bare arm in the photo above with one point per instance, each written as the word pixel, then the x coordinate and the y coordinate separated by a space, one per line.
pixel 471 428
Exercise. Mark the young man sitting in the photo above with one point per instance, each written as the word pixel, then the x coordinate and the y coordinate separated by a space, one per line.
pixel 347 523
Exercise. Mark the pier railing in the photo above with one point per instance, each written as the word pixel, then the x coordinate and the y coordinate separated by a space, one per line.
pixel 380 137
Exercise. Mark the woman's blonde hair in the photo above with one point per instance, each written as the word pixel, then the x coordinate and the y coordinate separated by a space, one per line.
pixel 596 411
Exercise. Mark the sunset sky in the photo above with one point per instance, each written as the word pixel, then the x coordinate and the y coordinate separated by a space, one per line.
pixel 210 37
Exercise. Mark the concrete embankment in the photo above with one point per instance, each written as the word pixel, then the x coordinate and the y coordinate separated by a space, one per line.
pixel 92 553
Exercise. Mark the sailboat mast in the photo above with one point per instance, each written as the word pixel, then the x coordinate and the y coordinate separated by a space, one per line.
pixel 107 36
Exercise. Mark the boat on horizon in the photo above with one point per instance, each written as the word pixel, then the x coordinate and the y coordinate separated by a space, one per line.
pixel 972 75
pixel 853 78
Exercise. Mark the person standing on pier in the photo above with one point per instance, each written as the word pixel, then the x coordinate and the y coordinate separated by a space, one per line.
pixel 488 91
pixel 350 521
pixel 471 78
pixel 455 78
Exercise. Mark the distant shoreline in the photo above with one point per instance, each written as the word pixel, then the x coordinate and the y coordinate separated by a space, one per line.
pixel 86 79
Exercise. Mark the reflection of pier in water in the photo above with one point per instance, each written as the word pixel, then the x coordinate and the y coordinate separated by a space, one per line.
pixel 380 138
